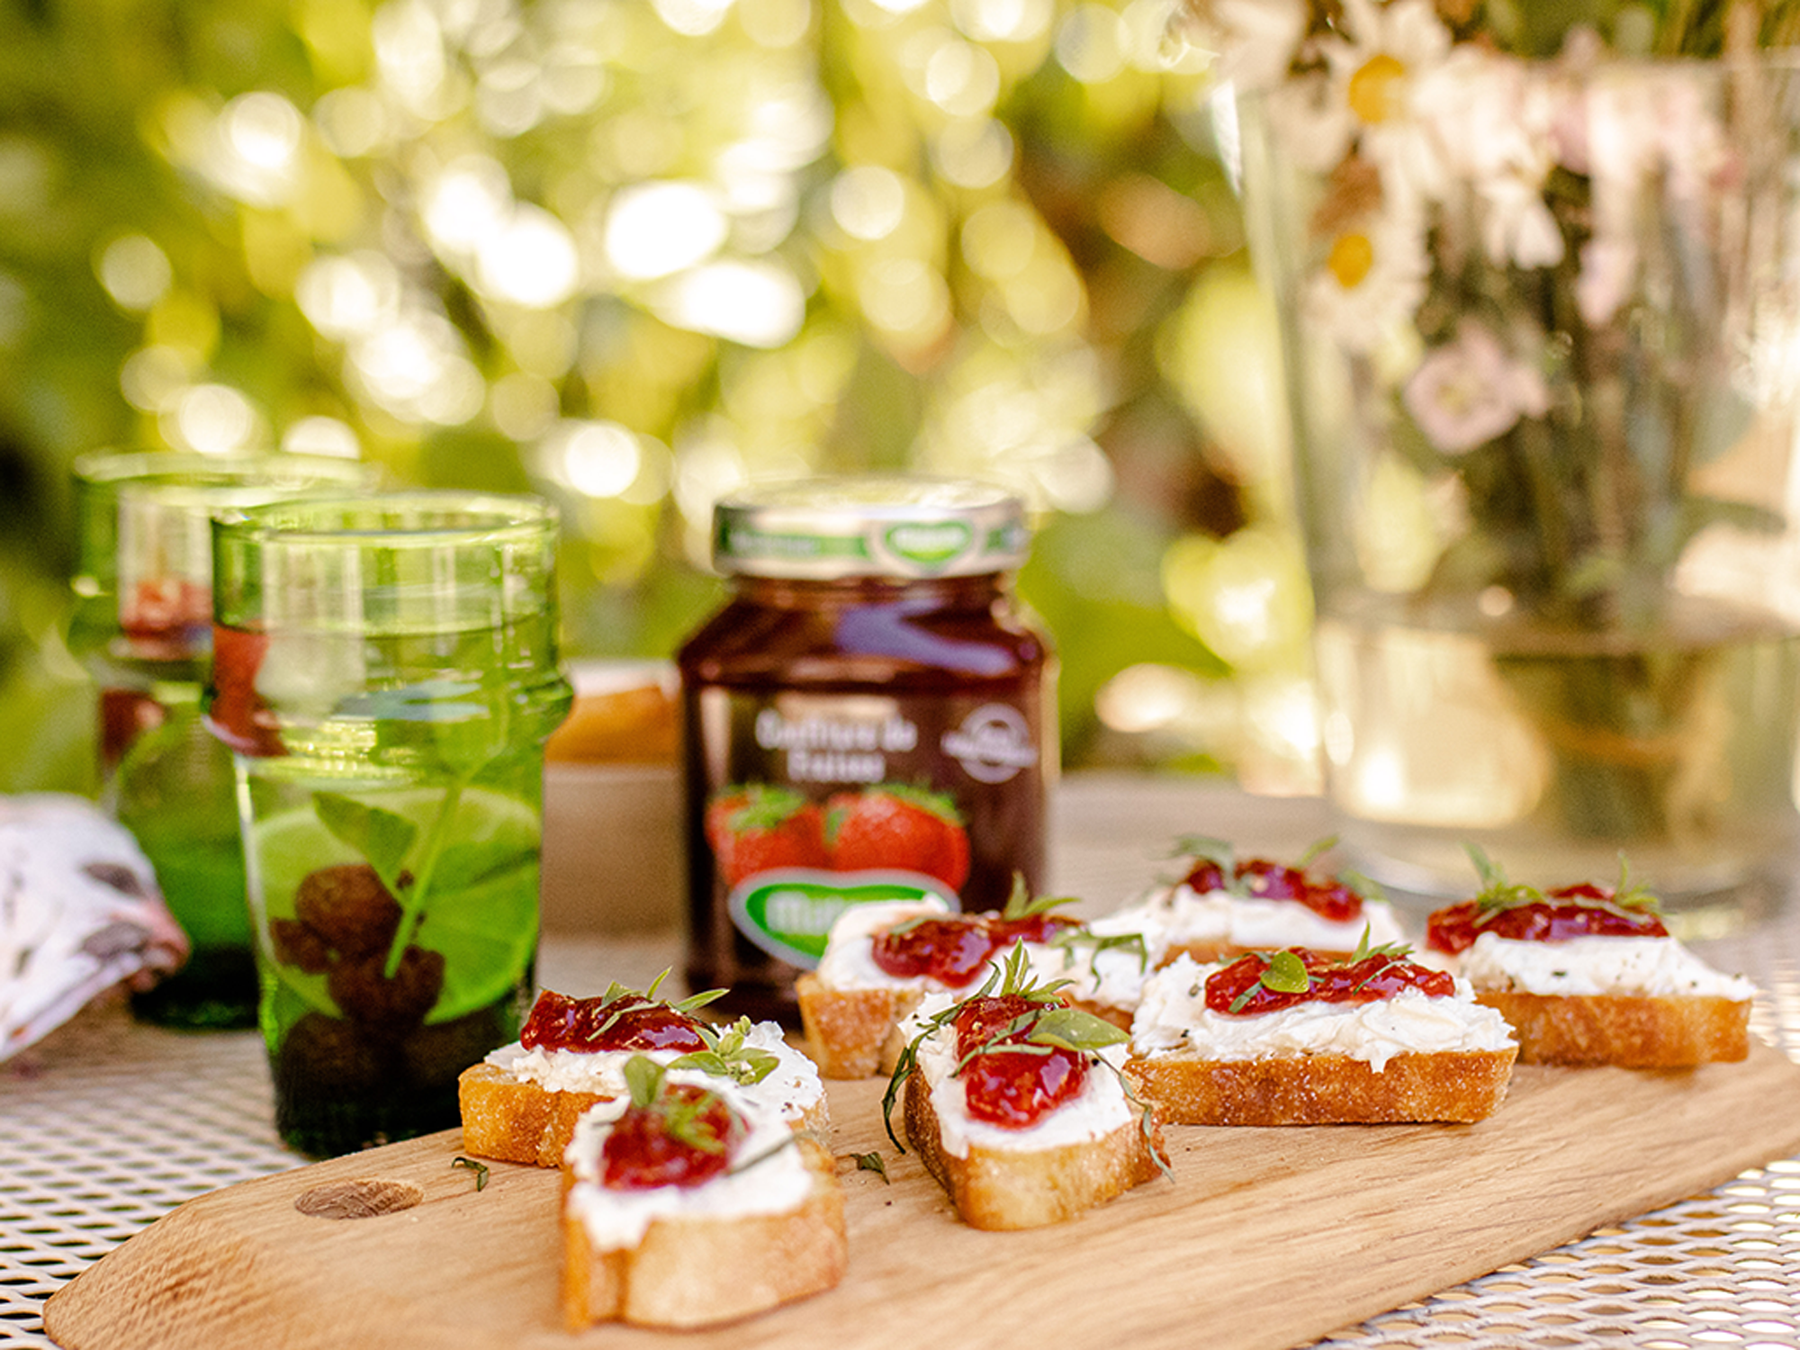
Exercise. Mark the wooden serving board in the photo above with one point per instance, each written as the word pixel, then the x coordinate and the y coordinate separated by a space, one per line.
pixel 1265 1238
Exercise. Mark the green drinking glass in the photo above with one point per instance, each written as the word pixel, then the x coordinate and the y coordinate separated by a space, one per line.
pixel 142 625
pixel 385 674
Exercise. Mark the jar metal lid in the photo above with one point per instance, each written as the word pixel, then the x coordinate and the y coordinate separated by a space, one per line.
pixel 900 526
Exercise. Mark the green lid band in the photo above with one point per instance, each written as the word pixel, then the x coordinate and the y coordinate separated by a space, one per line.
pixel 894 527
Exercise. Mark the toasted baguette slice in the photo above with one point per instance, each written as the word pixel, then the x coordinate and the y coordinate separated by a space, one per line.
pixel 1002 1189
pixel 1633 1031
pixel 1324 1089
pixel 694 1271
pixel 853 1033
pixel 516 1120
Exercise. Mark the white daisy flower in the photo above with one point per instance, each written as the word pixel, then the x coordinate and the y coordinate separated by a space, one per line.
pixel 1375 70
pixel 1372 283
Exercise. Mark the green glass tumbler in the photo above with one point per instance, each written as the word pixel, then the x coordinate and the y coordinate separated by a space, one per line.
pixel 142 625
pixel 386 673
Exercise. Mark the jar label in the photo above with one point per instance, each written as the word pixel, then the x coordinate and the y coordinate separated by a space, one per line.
pixel 814 802
pixel 789 913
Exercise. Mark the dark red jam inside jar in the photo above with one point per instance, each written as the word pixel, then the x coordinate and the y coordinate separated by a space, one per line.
pixel 590 1025
pixel 1556 918
pixel 870 687
pixel 1013 1089
pixel 1369 980
pixel 641 1152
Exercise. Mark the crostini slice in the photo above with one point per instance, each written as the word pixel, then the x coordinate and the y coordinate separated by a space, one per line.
pixel 881 959
pixel 1017 1103
pixel 1589 975
pixel 687 1203
pixel 520 1104
pixel 1293 1037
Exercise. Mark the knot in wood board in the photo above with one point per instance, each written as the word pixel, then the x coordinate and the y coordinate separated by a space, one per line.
pixel 362 1198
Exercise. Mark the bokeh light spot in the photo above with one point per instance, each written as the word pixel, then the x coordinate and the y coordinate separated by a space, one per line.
pixel 658 229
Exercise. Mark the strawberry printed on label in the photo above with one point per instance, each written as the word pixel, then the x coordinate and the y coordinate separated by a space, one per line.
pixel 896 827
pixel 757 828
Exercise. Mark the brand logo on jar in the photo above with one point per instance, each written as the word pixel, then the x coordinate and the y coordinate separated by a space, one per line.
pixel 929 545
pixel 993 743
pixel 789 912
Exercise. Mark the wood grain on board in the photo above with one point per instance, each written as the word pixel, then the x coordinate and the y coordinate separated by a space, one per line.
pixel 1265 1237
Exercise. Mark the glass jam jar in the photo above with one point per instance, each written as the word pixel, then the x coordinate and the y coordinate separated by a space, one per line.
pixel 868 718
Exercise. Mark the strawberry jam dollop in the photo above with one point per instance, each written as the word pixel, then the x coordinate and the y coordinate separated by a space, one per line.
pixel 628 1022
pixel 1328 898
pixel 1012 1088
pixel 1583 910
pixel 954 949
pixel 1237 989
pixel 646 1147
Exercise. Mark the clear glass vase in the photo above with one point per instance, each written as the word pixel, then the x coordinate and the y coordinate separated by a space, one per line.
pixel 1541 323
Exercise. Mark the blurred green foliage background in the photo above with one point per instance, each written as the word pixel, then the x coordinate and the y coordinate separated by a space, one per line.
pixel 629 253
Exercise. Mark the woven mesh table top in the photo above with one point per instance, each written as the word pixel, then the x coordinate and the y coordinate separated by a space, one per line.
pixel 108 1124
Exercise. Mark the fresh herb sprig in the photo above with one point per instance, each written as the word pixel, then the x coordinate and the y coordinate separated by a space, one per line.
pixel 872 1161
pixel 729 1054
pixel 1285 972
pixel 1202 848
pixel 1499 894
pixel 1048 1025
pixel 1070 939
pixel 691 1004
pixel 1021 904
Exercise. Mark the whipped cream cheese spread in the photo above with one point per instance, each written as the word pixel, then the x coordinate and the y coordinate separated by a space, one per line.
pixel 777 1183
pixel 1179 916
pixel 1173 1019
pixel 1098 974
pixel 848 963
pixel 1596 965
pixel 1101 1108
pixel 793 1085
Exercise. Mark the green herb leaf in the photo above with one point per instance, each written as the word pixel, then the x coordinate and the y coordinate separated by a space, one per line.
pixel 1020 905
pixel 1070 938
pixel 1316 850
pixel 1205 848
pixel 381 837
pixel 694 1002
pixel 1286 974
pixel 479 1168
pixel 729 1056
pixel 1073 1029
pixel 872 1162
pixel 643 1080
pixel 464 866
pixel 1364 950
